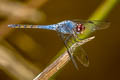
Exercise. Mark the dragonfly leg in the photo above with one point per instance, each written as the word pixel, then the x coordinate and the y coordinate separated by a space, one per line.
pixel 71 56
pixel 69 50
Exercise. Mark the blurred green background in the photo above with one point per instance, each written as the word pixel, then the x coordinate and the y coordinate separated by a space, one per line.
pixel 24 53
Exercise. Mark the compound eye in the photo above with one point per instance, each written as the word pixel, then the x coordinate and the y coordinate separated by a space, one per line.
pixel 79 27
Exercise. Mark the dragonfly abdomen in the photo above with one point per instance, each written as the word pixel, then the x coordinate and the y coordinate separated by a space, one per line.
pixel 49 27
pixel 22 26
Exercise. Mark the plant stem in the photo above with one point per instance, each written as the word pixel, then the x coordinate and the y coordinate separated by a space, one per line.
pixel 103 10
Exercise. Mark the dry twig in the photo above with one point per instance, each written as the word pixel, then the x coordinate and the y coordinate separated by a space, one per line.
pixel 58 63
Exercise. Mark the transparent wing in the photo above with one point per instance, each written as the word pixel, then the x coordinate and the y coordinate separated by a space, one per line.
pixel 50 27
pixel 98 25
pixel 81 56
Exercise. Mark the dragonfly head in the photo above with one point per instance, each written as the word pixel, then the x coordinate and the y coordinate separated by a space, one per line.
pixel 80 28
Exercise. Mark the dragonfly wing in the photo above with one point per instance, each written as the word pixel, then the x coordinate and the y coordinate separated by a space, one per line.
pixel 81 56
pixel 101 24
pixel 97 24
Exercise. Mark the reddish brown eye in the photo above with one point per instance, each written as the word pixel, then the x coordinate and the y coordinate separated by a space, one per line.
pixel 79 28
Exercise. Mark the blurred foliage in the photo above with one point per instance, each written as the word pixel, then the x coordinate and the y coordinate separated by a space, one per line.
pixel 26 52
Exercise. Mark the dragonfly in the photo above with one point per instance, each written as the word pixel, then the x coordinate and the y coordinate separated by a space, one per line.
pixel 68 30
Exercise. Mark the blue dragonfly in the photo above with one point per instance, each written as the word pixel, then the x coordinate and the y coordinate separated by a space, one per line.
pixel 69 30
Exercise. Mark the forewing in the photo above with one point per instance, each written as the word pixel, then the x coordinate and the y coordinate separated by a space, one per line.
pixel 97 24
